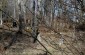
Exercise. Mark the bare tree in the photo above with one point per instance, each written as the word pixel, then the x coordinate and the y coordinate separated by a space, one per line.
pixel 35 20
pixel 21 15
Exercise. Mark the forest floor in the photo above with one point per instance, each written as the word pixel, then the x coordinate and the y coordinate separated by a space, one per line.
pixel 65 43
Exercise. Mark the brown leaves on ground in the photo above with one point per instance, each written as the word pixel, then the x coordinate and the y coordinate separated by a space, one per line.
pixel 1 49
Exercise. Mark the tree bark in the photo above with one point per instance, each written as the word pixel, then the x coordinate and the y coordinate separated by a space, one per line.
pixel 34 21
pixel 21 18
pixel 1 13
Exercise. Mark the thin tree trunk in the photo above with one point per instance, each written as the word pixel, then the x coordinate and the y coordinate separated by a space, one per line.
pixel 53 13
pixel 1 13
pixel 34 20
pixel 21 18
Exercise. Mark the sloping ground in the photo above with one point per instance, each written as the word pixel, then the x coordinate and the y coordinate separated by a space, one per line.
pixel 22 46
pixel 56 44
pixel 65 43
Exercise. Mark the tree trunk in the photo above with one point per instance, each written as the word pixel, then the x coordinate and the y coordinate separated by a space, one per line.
pixel 53 13
pixel 21 18
pixel 1 13
pixel 34 21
